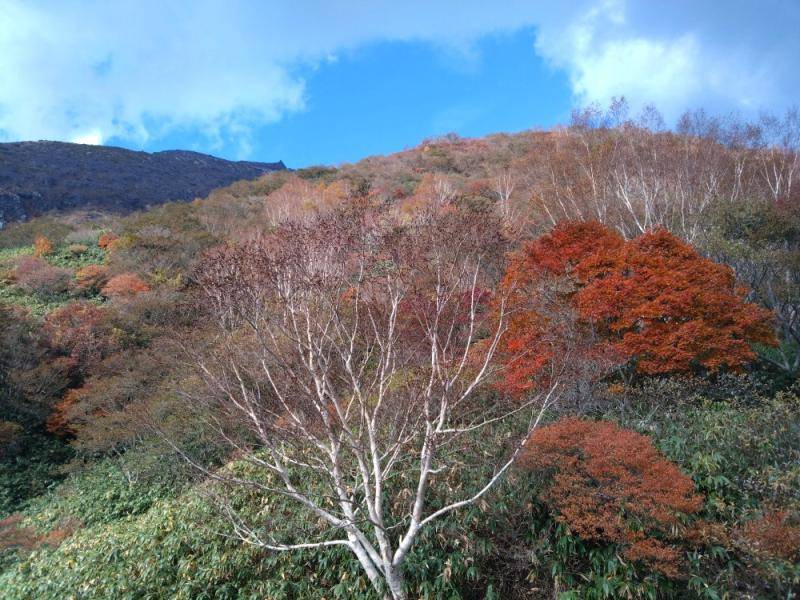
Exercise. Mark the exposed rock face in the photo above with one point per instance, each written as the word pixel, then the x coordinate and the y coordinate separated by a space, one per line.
pixel 36 177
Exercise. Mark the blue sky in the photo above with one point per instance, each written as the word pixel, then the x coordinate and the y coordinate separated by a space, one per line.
pixel 387 96
pixel 315 82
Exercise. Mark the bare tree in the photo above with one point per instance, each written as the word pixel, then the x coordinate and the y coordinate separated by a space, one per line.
pixel 353 356
pixel 635 176
pixel 503 189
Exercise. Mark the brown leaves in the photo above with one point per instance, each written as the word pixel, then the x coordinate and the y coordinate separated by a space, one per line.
pixel 15 536
pixel 36 276
pixel 124 286
pixel 611 485
pixel 80 330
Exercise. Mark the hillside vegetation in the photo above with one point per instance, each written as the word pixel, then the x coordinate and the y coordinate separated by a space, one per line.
pixel 553 364
pixel 40 177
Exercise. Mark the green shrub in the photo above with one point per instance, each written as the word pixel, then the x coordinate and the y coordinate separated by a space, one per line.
pixel 30 469
pixel 742 449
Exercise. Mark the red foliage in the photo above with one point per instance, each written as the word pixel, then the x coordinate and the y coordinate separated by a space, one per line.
pixel 611 485
pixel 124 285
pixel 774 535
pixel 653 300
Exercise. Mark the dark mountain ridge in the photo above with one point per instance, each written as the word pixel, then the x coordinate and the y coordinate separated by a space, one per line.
pixel 38 177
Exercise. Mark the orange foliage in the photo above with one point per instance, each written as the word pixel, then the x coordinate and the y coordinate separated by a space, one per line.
pixel 106 240
pixel 91 277
pixel 670 308
pixel 433 191
pixel 653 300
pixel 124 285
pixel 298 198
pixel 611 485
pixel 42 246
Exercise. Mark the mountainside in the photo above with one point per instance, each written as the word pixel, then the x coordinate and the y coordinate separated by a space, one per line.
pixel 613 311
pixel 37 177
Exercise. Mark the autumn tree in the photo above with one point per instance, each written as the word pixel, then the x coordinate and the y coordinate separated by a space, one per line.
pixel 101 414
pixel 611 485
pixel 349 373
pixel 652 301
pixel 298 198
pixel 124 285
pixel 670 309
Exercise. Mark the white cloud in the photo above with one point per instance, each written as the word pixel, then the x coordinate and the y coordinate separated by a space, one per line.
pixel 639 68
pixel 139 69
pixel 679 54
pixel 94 138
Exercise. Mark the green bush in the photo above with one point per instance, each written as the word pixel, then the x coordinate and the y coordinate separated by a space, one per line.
pixel 742 448
pixel 177 548
pixel 29 470
pixel 147 535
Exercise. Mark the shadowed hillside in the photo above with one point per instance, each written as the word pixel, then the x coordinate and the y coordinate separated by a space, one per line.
pixel 37 177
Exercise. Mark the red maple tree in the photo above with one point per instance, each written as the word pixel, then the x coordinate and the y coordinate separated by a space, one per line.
pixel 653 300
pixel 611 485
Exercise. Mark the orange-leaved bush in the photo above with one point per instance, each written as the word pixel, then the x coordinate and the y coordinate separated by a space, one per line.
pixel 42 246
pixel 124 285
pixel 653 300
pixel 107 240
pixel 611 485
